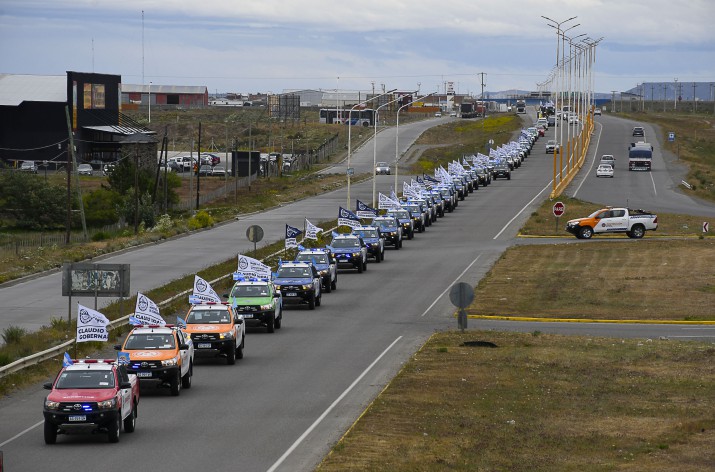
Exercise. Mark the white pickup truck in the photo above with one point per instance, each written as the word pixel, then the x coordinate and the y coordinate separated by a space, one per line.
pixel 614 220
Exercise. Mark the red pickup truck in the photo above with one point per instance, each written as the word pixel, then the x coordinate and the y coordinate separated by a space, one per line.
pixel 91 396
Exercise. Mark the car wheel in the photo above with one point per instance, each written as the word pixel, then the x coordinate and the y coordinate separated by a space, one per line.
pixel 186 379
pixel 176 385
pixel 231 354
pixel 114 431
pixel 638 231
pixel 377 258
pixel 271 324
pixel 131 420
pixel 334 283
pixel 239 349
pixel 311 302
pixel 364 265
pixel 585 232
pixel 328 287
pixel 319 300
pixel 411 234
pixel 359 267
pixel 50 433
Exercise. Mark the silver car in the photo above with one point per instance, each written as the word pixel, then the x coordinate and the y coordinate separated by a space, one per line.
pixel 84 169
pixel 382 168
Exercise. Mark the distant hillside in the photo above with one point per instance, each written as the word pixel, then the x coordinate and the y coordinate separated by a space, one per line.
pixel 666 91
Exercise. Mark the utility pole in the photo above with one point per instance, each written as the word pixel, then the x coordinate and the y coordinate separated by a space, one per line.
pixel 675 94
pixel 198 170
pixel 613 100
pixel 484 107
pixel 695 104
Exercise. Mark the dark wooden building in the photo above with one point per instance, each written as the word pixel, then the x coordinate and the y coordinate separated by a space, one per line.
pixel 37 114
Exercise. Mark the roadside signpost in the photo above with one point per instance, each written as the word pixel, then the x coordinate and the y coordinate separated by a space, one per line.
pixel 559 209
pixel 461 295
pixel 254 234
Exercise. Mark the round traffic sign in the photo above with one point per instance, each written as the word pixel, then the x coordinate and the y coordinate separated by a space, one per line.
pixel 254 233
pixel 461 295
pixel 559 209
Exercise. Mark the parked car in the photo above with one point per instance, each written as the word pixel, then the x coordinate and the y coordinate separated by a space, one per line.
pixel 438 115
pixel 219 171
pixel 85 169
pixel 28 166
pixel 205 169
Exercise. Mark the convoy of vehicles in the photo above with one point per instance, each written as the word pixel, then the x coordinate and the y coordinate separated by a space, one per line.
pixel 613 220
pixel 102 395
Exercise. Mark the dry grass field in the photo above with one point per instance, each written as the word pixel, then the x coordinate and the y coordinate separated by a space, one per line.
pixel 539 402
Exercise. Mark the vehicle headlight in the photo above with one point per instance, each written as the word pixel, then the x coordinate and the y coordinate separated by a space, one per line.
pixel 277 287
pixel 170 362
pixel 226 335
pixel 307 287
pixel 266 307
pixel 50 405
pixel 107 404
pixel 356 254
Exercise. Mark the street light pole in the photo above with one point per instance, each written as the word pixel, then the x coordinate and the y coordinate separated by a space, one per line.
pixel 150 102
pixel 374 148
pixel 350 128
pixel 397 132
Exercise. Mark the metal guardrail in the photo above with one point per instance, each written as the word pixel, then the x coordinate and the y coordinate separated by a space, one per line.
pixel 58 350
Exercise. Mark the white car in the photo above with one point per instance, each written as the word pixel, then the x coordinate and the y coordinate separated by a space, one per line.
pixel 596 112
pixel 438 114
pixel 382 168
pixel 84 169
pixel 604 170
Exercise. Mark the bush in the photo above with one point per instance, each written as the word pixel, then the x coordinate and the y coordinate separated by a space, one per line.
pixel 101 236
pixel 202 219
pixel 163 225
pixel 100 207
pixel 13 334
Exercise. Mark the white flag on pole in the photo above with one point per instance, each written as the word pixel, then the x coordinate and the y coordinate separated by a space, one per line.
pixel 147 312
pixel 311 231
pixel 203 292
pixel 91 325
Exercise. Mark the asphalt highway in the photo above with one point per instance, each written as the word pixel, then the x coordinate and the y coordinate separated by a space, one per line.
pixel 297 391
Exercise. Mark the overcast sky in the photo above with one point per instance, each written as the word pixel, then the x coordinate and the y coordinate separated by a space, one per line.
pixel 272 45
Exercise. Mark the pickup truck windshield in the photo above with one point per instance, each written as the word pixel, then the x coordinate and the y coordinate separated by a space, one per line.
pixel 150 341
pixel 86 379
pixel 345 243
pixel 209 317
pixel 318 258
pixel 243 291
pixel 294 272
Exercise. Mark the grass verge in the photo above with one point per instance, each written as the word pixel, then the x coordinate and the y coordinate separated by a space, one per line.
pixel 539 403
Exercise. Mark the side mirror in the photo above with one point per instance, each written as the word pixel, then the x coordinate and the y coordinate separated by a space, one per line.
pixel 276 294
pixel 239 321
pixel 183 347
pixel 117 347
pixel 47 385
pixel 123 385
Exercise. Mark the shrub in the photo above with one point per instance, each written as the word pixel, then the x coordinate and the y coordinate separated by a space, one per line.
pixel 100 236
pixel 13 334
pixel 202 219
pixel 164 224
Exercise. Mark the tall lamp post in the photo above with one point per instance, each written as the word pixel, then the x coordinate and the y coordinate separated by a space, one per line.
pixel 350 128
pixel 397 131
pixel 150 102
pixel 374 148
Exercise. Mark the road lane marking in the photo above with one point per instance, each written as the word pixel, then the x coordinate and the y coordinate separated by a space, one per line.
pixel 655 191
pixel 524 208
pixel 450 286
pixel 329 409
pixel 21 433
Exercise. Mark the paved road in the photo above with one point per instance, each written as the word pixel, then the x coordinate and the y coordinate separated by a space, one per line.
pixel 294 394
